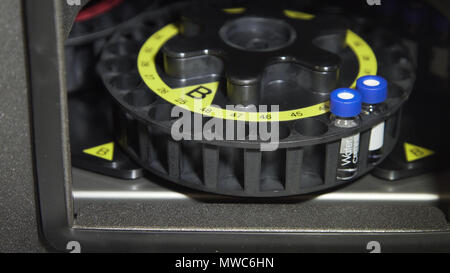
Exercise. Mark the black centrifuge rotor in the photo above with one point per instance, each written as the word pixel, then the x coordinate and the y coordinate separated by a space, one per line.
pixel 306 58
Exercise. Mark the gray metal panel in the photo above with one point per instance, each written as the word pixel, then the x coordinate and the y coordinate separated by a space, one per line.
pixel 44 26
pixel 19 228
pixel 368 205
pixel 18 216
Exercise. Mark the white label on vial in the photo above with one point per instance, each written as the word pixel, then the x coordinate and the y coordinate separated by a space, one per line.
pixel 349 150
pixel 376 137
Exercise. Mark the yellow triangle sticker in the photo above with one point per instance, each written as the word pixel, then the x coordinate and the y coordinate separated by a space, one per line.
pixel 104 151
pixel 414 152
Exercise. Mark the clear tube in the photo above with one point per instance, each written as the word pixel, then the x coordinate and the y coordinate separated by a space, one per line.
pixel 376 134
pixel 348 160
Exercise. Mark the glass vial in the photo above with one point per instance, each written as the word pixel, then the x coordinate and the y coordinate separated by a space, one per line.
pixel 373 91
pixel 345 106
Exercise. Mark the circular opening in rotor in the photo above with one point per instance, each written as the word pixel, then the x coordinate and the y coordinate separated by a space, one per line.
pixel 257 34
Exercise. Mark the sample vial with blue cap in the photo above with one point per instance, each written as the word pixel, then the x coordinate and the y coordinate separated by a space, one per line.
pixel 345 106
pixel 373 91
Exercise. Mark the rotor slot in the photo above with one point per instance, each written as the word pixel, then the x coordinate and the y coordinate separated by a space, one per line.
pixel 258 34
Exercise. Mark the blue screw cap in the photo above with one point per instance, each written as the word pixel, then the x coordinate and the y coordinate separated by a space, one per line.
pixel 373 89
pixel 345 102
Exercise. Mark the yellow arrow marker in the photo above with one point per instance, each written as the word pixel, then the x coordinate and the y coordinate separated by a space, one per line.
pixel 104 151
pixel 413 152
